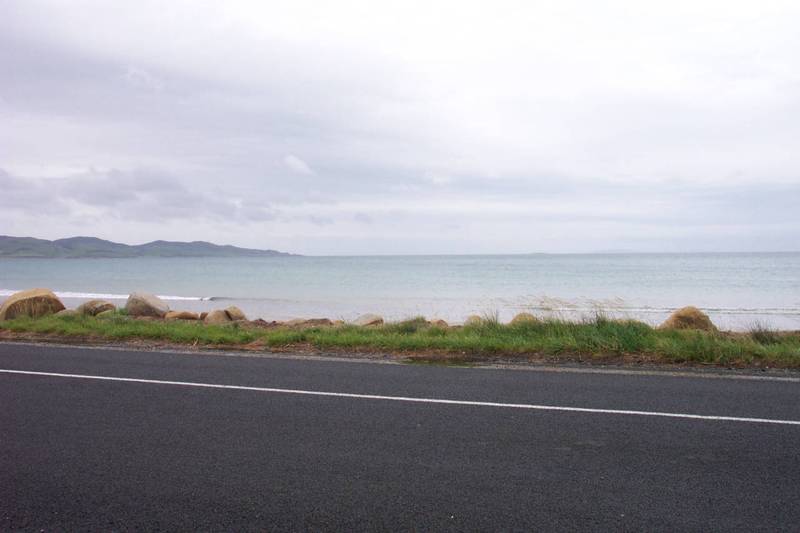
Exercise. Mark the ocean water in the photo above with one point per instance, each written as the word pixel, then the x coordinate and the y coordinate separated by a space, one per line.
pixel 736 289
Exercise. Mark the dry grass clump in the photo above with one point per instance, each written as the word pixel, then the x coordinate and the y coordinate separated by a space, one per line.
pixel 33 303
pixel 689 317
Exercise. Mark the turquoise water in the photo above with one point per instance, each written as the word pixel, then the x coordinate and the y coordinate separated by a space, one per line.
pixel 735 289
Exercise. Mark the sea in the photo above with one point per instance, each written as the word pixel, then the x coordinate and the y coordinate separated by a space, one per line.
pixel 737 290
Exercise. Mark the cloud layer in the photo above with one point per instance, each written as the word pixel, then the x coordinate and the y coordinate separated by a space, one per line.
pixel 359 127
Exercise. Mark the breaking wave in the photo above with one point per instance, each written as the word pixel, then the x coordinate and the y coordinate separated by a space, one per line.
pixel 107 296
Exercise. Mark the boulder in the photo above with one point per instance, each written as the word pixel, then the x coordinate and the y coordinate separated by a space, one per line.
pixel 473 320
pixel 181 315
pixel 108 313
pixel 31 303
pixel 234 313
pixel 368 320
pixel 689 318
pixel 319 322
pixel 438 323
pixel 203 315
pixel 68 312
pixel 218 316
pixel 524 318
pixel 95 307
pixel 143 304
pixel 261 323
pixel 309 322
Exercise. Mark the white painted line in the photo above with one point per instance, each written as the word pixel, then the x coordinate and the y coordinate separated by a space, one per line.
pixel 410 399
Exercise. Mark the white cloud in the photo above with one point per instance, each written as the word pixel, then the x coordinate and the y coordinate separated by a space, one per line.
pixel 297 165
pixel 142 79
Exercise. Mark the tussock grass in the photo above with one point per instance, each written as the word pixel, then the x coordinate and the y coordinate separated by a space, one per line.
pixel 764 334
pixel 599 338
pixel 120 327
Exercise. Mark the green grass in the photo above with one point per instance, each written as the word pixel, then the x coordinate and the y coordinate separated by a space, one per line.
pixel 598 339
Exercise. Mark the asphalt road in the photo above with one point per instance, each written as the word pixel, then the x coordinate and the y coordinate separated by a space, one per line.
pixel 93 454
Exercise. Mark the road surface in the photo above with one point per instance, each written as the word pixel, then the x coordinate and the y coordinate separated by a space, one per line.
pixel 104 439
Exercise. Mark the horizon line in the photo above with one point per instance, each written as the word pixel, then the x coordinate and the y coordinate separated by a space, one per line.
pixel 411 254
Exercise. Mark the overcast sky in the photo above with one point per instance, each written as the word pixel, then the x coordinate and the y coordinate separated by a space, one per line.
pixel 403 127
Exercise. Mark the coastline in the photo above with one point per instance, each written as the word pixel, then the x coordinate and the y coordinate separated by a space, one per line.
pixel 735 290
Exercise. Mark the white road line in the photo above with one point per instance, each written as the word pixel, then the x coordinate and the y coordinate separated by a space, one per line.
pixel 409 399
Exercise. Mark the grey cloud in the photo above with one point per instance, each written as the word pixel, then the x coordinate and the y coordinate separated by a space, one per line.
pixel 252 211
pixel 141 195
pixel 147 195
pixel 321 221
pixel 33 196
pixel 362 218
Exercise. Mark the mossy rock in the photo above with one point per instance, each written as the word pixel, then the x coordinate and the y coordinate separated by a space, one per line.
pixel 369 320
pixel 688 318
pixel 473 320
pixel 33 303
pixel 524 318
pixel 218 316
pixel 308 322
pixel 141 304
pixel 234 313
pixel 181 315
pixel 95 307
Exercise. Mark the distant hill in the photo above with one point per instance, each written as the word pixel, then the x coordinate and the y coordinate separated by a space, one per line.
pixel 75 247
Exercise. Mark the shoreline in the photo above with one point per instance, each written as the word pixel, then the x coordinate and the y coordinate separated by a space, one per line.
pixel 735 290
pixel 687 337
pixel 730 319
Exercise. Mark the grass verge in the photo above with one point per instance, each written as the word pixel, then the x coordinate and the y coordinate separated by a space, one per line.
pixel 600 339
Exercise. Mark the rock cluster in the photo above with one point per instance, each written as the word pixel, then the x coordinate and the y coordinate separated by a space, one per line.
pixel 40 302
